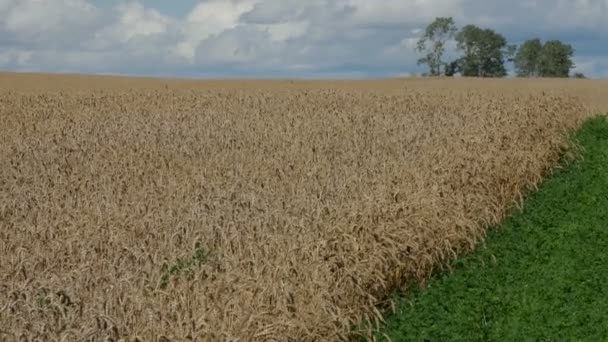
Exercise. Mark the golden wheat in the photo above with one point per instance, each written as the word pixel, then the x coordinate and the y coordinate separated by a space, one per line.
pixel 179 210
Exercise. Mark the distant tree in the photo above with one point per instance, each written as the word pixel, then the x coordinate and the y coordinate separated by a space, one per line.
pixel 452 68
pixel 436 35
pixel 527 58
pixel 579 75
pixel 551 59
pixel 556 59
pixel 485 52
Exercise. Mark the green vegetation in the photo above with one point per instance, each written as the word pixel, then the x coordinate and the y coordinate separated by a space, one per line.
pixel 579 75
pixel 485 52
pixel 551 59
pixel 184 265
pixel 541 276
pixel 528 57
pixel 435 36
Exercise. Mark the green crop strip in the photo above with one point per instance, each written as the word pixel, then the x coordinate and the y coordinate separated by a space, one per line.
pixel 541 276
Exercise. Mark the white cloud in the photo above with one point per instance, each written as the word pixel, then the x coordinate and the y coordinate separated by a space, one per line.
pixel 577 14
pixel 207 19
pixel 594 66
pixel 397 12
pixel 133 22
pixel 270 37
pixel 31 17
pixel 132 37
pixel 39 22
pixel 286 31
pixel 15 56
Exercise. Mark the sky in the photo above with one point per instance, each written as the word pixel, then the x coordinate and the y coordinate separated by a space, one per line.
pixel 274 38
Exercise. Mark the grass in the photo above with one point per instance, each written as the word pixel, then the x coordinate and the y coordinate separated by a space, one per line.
pixel 183 265
pixel 541 276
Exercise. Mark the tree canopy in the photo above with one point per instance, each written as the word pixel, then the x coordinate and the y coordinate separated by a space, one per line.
pixel 433 43
pixel 484 53
pixel 527 60
pixel 551 59
pixel 556 59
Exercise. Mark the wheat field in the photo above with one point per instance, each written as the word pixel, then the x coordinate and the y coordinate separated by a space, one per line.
pixel 172 210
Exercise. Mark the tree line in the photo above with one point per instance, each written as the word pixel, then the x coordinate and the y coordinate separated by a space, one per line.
pixel 484 53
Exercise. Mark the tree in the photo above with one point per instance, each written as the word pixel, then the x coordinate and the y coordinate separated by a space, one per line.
pixel 452 68
pixel 579 75
pixel 556 59
pixel 527 58
pixel 435 36
pixel 551 59
pixel 485 52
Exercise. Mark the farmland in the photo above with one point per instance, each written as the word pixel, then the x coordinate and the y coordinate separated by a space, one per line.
pixel 539 276
pixel 255 210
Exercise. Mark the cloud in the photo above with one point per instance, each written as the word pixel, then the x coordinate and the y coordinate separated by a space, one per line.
pixel 133 22
pixel 577 14
pixel 313 38
pixel 30 24
pixel 134 33
pixel 592 66
pixel 206 20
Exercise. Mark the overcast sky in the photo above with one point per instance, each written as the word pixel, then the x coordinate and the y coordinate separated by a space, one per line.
pixel 273 38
